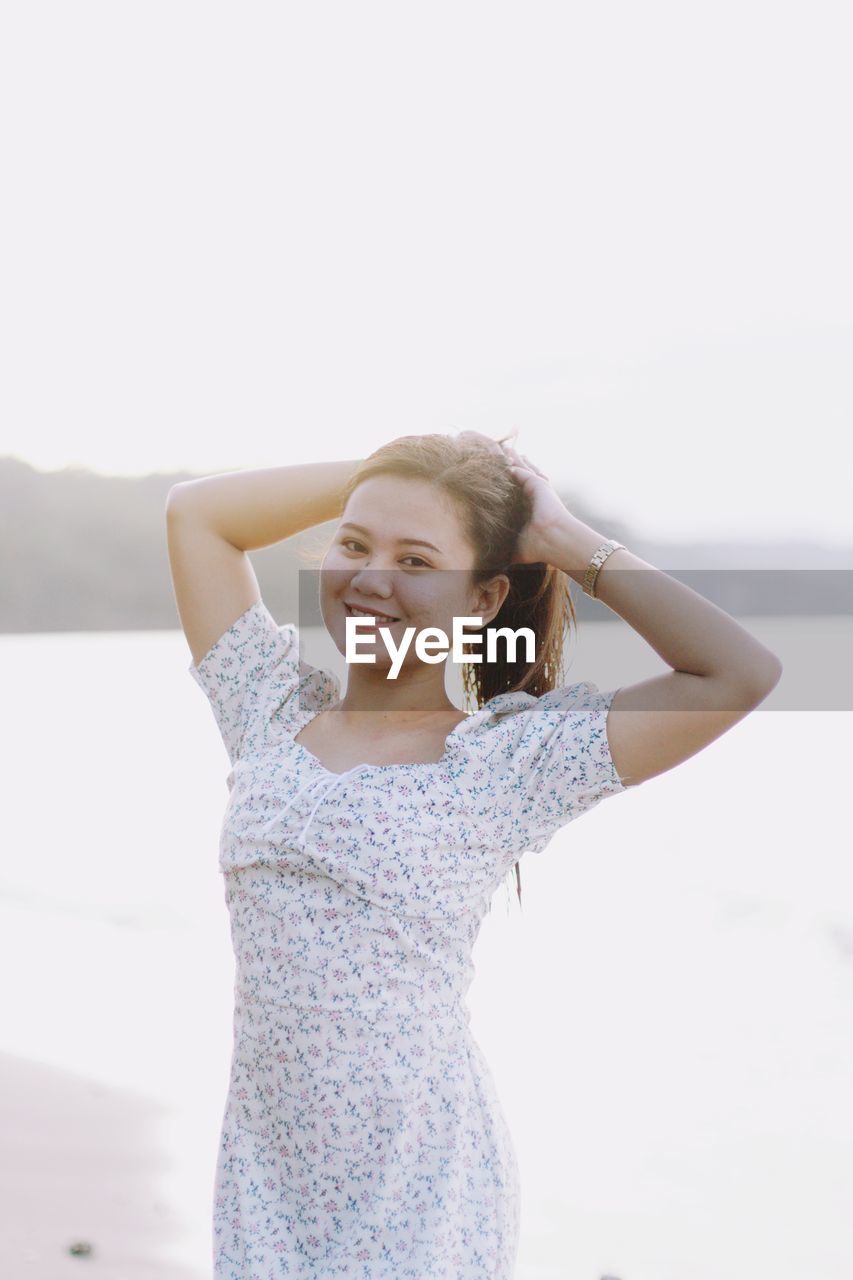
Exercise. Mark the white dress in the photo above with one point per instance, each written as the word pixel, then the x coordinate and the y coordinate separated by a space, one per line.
pixel 362 1135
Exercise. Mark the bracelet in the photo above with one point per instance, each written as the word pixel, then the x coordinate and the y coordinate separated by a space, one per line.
pixel 605 550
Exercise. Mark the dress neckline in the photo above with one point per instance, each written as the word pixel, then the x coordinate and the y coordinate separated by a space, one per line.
pixel 449 743
pixel 329 695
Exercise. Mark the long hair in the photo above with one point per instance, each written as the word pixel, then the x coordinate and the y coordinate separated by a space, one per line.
pixel 493 509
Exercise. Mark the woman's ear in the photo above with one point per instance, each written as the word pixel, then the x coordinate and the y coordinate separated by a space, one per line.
pixel 489 597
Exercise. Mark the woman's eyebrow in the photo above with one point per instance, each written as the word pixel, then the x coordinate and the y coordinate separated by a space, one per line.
pixel 410 542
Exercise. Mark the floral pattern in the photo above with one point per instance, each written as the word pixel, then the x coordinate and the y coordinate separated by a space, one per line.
pixel 362 1135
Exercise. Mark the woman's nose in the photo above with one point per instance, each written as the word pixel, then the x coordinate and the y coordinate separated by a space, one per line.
pixel 375 580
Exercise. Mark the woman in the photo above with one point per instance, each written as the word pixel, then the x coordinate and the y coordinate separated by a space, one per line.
pixel 365 835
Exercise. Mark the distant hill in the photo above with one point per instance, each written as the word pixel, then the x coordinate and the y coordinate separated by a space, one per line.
pixel 85 552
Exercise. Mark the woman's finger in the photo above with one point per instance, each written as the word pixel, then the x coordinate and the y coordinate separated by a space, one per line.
pixel 533 467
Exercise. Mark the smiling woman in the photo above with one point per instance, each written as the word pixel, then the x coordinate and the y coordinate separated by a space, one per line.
pixel 365 834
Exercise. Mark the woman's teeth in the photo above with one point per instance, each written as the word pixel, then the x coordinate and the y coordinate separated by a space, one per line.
pixel 362 613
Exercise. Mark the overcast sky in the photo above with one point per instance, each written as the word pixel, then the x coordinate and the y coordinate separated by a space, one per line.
pixel 247 235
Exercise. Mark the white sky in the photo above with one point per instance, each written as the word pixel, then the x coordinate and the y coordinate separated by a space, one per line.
pixel 248 235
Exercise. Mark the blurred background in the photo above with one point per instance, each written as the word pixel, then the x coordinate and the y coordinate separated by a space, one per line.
pixel 247 237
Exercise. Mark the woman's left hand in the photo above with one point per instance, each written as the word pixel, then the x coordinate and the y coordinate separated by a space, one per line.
pixel 550 514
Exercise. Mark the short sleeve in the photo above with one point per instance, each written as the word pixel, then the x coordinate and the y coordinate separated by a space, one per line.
pixel 560 763
pixel 252 660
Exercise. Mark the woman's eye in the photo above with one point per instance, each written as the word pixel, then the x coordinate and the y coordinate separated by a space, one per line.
pixel 354 543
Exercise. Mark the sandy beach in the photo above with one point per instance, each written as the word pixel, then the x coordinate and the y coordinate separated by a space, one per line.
pixel 79 1165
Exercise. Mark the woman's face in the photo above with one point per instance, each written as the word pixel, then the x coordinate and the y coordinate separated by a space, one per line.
pixel 400 551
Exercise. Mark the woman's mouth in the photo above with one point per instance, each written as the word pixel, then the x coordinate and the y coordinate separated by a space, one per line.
pixel 381 618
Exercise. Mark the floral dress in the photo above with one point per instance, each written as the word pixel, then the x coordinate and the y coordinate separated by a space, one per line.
pixel 362 1135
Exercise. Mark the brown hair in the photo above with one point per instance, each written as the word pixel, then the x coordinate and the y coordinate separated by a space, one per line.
pixel 493 510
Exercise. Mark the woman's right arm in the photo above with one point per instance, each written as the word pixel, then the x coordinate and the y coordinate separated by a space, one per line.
pixel 213 521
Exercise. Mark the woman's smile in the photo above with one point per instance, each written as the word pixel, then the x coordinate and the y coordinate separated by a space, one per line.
pixel 355 612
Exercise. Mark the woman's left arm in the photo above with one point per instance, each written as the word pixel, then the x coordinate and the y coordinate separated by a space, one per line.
pixel 720 672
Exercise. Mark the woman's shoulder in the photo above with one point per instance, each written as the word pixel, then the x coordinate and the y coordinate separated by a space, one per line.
pixel 518 709
pixel 517 726
pixel 256 668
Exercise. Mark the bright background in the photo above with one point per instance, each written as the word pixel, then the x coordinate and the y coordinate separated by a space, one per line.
pixel 240 236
